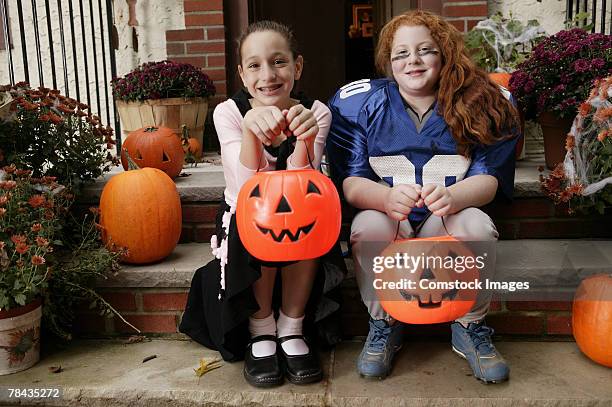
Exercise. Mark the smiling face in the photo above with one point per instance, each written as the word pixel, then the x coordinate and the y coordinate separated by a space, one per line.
pixel 288 215
pixel 416 61
pixel 268 69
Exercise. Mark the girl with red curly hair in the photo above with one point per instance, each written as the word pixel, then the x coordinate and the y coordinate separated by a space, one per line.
pixel 417 153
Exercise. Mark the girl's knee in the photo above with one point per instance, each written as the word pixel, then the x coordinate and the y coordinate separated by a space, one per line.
pixel 372 226
pixel 474 224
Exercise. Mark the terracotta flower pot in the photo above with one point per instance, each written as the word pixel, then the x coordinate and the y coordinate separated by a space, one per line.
pixel 20 337
pixel 554 132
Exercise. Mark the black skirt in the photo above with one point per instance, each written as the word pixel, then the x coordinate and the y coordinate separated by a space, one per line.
pixel 218 319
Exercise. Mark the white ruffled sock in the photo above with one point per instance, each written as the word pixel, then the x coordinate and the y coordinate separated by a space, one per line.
pixel 291 326
pixel 263 326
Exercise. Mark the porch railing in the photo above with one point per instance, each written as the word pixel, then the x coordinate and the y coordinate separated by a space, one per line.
pixel 600 15
pixel 62 44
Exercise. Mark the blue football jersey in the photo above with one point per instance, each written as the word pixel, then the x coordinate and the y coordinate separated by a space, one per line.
pixel 372 136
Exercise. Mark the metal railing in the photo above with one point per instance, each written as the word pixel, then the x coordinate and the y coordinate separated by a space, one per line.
pixel 71 37
pixel 599 14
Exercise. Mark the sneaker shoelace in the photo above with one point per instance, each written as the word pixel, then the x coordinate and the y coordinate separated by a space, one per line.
pixel 481 337
pixel 379 338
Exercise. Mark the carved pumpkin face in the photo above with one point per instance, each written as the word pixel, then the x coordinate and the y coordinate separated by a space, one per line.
pixel 430 303
pixel 154 147
pixel 288 215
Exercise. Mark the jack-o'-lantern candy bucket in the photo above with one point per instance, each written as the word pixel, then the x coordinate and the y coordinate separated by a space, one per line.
pixel 430 280
pixel 288 215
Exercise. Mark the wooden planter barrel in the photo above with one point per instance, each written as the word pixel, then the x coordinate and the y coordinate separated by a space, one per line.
pixel 171 112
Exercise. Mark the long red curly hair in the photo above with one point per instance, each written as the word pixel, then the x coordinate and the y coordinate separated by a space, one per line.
pixel 472 105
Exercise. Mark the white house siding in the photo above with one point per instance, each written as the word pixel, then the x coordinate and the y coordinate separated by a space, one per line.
pixel 155 17
pixel 550 13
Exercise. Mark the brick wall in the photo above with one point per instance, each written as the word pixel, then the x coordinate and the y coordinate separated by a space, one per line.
pixel 464 14
pixel 202 42
pixel 159 311
pixel 539 218
pixel 150 310
pixel 198 222
pixel 524 218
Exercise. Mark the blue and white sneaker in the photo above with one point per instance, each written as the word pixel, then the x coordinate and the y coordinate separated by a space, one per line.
pixel 474 344
pixel 380 347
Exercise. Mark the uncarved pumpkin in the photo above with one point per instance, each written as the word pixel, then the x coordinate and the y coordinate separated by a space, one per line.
pixel 427 306
pixel 191 146
pixel 141 211
pixel 194 147
pixel 592 318
pixel 154 147
pixel 288 215
pixel 501 78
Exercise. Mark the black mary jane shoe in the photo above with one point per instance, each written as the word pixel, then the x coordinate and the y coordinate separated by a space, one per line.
pixel 301 369
pixel 262 371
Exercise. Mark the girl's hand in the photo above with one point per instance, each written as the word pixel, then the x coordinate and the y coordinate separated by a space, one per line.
pixel 401 199
pixel 265 123
pixel 437 198
pixel 301 122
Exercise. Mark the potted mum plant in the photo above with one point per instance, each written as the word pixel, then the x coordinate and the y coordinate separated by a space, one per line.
pixel 50 146
pixel 54 135
pixel 584 179
pixel 165 93
pixel 556 78
pixel 30 218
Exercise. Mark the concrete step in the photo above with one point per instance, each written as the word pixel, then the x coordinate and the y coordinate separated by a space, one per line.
pixel 205 183
pixel 543 262
pixel 109 373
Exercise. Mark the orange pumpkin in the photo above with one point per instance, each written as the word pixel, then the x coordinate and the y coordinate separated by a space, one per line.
pixel 191 146
pixel 141 210
pixel 501 78
pixel 155 147
pixel 194 148
pixel 426 304
pixel 288 215
pixel 592 318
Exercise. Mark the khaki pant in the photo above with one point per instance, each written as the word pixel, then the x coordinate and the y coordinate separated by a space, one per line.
pixel 374 226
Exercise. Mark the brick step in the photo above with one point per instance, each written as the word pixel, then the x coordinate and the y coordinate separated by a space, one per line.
pixel 530 216
pixel 152 297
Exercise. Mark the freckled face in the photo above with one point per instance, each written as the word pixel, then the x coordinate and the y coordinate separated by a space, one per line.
pixel 416 61
pixel 268 69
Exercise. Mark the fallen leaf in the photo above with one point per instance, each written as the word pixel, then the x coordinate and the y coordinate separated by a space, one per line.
pixel 149 358
pixel 134 339
pixel 55 369
pixel 184 174
pixel 207 365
